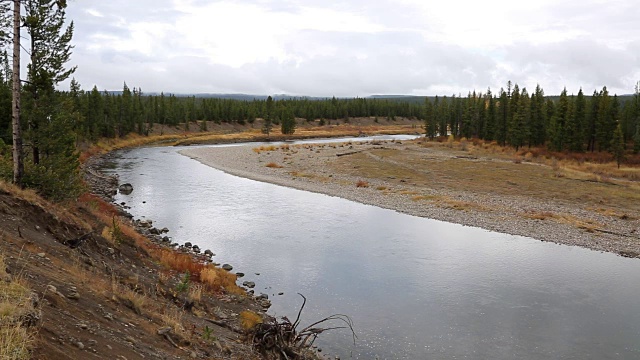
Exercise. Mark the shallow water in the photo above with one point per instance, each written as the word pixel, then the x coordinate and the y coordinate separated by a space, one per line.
pixel 415 288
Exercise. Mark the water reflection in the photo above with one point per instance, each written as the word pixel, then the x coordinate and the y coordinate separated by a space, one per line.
pixel 416 288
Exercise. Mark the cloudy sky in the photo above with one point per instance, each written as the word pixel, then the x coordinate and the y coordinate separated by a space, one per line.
pixel 356 47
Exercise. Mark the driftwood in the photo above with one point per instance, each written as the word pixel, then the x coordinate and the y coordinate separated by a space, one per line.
pixel 225 324
pixel 280 339
pixel 349 153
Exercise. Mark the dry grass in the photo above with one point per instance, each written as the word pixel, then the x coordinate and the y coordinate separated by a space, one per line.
pixel 195 293
pixel 104 145
pixel 131 298
pixel 585 224
pixel 614 213
pixel 15 302
pixel 15 343
pixel 381 188
pixel 172 317
pixel 273 165
pixel 249 319
pixel 441 169
pixel 216 278
pixel 362 184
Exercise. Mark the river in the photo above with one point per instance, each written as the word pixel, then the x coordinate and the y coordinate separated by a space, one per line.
pixel 415 288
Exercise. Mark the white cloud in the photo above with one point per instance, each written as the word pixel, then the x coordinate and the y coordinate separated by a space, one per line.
pixel 94 12
pixel 357 47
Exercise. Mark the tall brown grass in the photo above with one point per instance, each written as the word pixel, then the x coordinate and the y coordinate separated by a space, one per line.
pixel 15 302
pixel 249 319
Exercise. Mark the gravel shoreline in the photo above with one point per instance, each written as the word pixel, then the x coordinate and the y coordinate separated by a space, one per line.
pixel 306 169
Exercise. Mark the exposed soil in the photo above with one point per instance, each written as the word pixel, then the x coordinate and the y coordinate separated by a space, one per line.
pixel 100 299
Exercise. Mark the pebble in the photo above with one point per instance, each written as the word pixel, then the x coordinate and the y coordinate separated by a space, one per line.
pixel 80 345
pixel 227 267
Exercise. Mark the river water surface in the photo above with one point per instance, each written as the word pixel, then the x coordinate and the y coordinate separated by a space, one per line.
pixel 415 288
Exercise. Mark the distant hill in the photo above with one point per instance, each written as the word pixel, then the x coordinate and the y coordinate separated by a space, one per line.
pixel 415 99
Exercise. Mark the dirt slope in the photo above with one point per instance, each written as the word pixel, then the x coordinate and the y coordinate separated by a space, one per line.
pixel 102 299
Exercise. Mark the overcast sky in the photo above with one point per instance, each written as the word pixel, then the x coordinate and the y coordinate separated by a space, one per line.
pixel 356 47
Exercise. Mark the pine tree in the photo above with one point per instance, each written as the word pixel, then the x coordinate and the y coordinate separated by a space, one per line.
pixel 537 133
pixel 18 164
pixel 429 119
pixel 617 145
pixel 267 125
pixel 50 50
pixel 573 136
pixel 490 128
pixel 636 139
pixel 288 123
pixel 557 133
pixel 503 117
pixel 518 131
pixel 605 123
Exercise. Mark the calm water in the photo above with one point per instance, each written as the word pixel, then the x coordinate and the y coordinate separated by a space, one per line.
pixel 416 288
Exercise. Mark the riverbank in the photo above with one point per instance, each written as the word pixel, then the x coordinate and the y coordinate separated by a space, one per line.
pixel 82 280
pixel 460 183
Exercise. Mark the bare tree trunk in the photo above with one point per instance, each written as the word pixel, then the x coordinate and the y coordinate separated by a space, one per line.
pixel 18 165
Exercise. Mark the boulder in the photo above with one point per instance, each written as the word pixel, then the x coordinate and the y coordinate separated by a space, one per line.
pixel 125 189
pixel 249 284
pixel 227 267
pixel 145 223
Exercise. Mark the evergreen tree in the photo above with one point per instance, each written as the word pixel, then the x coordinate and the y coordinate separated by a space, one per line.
pixel 573 136
pixel 558 122
pixel 443 116
pixel 636 139
pixel 605 124
pixel 537 133
pixel 617 145
pixel 429 119
pixel 592 119
pixel 288 123
pixel 267 125
pixel 518 131
pixel 490 128
pixel 503 117
pixel 50 50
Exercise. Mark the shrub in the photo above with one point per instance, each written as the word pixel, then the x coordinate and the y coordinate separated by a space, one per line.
pixel 362 184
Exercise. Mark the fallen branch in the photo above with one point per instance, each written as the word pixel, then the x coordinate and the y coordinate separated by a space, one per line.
pixel 281 339
pixel 349 153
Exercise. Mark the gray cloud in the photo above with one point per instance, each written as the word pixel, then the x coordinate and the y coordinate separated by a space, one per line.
pixel 406 51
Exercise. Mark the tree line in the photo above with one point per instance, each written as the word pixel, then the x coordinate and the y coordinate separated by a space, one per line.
pixel 574 123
